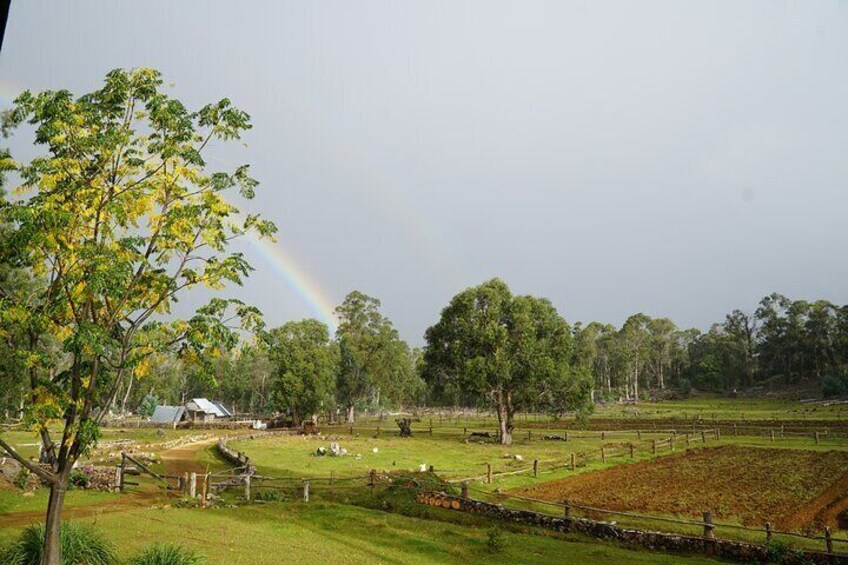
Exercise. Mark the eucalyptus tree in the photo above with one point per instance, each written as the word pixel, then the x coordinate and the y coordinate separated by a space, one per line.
pixel 117 218
pixel 508 352
pixel 373 360
pixel 304 364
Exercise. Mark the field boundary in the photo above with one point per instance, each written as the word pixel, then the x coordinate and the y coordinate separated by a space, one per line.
pixel 708 544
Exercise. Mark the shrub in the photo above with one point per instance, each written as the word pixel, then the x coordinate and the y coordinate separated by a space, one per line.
pixel 166 554
pixel 81 543
pixel 78 479
pixel 148 405
pixel 268 495
pixel 835 385
pixel 495 542
pixel 21 478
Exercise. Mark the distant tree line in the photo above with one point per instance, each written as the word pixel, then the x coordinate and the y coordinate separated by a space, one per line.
pixel 781 342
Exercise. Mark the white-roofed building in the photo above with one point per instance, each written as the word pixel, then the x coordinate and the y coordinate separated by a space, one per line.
pixel 204 410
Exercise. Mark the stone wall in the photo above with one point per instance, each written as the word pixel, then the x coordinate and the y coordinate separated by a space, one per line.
pixel 720 548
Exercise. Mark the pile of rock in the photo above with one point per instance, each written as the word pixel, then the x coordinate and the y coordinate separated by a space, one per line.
pixel 98 477
pixel 333 451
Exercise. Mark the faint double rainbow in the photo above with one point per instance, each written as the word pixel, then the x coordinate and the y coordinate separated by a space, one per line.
pixel 394 203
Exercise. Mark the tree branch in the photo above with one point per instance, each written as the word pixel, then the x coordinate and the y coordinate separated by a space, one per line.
pixel 35 469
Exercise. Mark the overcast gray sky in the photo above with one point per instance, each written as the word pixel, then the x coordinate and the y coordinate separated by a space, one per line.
pixel 675 158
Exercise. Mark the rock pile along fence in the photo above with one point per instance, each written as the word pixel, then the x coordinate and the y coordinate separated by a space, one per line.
pixel 709 542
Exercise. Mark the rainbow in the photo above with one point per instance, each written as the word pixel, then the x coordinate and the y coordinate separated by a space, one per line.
pixel 297 279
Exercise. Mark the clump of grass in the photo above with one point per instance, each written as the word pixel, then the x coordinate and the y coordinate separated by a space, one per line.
pixel 268 496
pixel 166 554
pixel 80 543
pixel 21 478
pixel 495 541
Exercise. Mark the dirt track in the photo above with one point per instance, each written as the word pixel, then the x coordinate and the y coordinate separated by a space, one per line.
pixel 177 460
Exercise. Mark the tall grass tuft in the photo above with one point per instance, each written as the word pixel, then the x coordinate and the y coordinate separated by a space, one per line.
pixel 81 544
pixel 166 554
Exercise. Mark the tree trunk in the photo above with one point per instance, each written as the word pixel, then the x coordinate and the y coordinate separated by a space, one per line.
pixel 636 385
pixel 505 413
pixel 350 414
pixel 126 396
pixel 52 554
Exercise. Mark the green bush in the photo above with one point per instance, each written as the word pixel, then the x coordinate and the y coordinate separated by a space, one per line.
pixel 78 479
pixel 495 542
pixel 268 495
pixel 81 544
pixel 166 554
pixel 835 385
pixel 21 478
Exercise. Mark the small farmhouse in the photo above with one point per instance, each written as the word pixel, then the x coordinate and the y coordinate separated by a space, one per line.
pixel 195 410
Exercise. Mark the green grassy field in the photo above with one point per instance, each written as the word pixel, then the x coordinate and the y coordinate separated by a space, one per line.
pixel 351 525
pixel 324 532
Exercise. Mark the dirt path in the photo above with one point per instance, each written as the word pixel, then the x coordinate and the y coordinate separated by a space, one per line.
pixel 177 460
pixel 183 458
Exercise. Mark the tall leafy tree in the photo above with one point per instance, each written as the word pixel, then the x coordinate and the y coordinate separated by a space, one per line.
pixel 304 364
pixel 635 345
pixel 373 360
pixel 117 218
pixel 509 352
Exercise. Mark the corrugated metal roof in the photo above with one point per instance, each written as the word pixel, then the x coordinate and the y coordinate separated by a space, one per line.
pixel 167 414
pixel 222 408
pixel 208 407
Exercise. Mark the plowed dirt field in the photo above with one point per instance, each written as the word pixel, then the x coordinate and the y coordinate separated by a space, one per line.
pixel 793 489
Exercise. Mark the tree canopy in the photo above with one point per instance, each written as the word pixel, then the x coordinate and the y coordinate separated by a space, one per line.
pixel 506 352
pixel 115 220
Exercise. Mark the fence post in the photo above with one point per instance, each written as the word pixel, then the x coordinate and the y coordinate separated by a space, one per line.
pixel 464 489
pixel 431 429
pixel 185 483
pixel 654 445
pixel 566 435
pixel 488 473
pixel 718 434
pixel 121 473
pixel 639 435
pixel 204 490
pixel 603 436
pixel 781 430
pixel 709 534
pixel 372 480
pixel 816 436
pixel 703 436
pixel 535 468
pixel 772 435
pixel 351 429
pixel 603 455
pixel 828 540
pixel 768 532
pixel 529 435
pixel 306 491
pixel 567 508
pixel 192 485
pixel 464 432
pixel 734 429
pixel 247 487
pixel 631 451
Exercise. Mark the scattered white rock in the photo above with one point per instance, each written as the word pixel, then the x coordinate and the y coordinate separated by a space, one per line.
pixel 422 468
pixel 375 450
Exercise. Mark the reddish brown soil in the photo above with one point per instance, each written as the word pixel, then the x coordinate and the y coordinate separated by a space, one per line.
pixel 176 460
pixel 790 488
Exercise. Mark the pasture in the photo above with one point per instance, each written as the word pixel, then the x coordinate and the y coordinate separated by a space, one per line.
pixel 792 481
